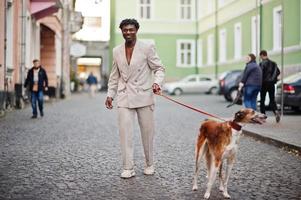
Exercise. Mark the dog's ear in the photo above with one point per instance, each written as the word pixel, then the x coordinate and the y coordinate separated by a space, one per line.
pixel 239 116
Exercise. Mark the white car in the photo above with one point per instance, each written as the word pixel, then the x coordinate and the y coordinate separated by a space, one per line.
pixel 197 83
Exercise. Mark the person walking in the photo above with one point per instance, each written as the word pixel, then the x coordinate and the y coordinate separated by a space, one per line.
pixel 270 74
pixel 92 82
pixel 251 81
pixel 37 81
pixel 137 73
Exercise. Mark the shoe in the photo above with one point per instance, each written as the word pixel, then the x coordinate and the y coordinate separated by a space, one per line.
pixel 33 117
pixel 128 173
pixel 277 115
pixel 150 170
pixel 42 114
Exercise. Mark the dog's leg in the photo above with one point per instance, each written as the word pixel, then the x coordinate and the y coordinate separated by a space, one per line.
pixel 199 152
pixel 221 178
pixel 229 167
pixel 208 163
pixel 212 177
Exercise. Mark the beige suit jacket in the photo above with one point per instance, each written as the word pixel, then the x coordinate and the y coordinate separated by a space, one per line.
pixel 132 84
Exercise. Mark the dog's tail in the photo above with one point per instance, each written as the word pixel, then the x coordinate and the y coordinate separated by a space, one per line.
pixel 200 149
pixel 200 146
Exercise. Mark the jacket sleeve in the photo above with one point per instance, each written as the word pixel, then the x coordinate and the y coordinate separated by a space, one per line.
pixel 27 79
pixel 155 64
pixel 46 78
pixel 113 81
pixel 245 75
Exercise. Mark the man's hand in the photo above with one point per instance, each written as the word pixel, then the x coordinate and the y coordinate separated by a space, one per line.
pixel 46 88
pixel 240 86
pixel 109 103
pixel 156 88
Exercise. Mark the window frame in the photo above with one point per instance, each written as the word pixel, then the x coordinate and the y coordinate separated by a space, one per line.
pixel 140 5
pixel 185 52
pixel 192 12
pixel 222 55
pixel 237 41
pixel 277 28
pixel 255 20
pixel 210 49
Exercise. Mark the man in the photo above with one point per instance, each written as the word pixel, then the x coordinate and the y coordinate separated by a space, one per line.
pixel 270 73
pixel 37 81
pixel 131 79
pixel 92 82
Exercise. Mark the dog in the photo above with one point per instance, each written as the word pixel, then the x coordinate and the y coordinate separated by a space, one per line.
pixel 218 141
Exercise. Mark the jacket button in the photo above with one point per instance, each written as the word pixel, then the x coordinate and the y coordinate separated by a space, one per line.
pixel 136 81
pixel 139 70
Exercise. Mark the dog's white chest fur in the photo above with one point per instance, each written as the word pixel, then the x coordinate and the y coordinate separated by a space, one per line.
pixel 232 148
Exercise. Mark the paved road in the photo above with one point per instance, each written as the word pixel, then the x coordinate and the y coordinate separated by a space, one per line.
pixel 73 153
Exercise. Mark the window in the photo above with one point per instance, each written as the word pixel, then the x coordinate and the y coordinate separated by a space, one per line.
pixel 222 45
pixel 237 41
pixel 255 36
pixel 185 9
pixel 210 6
pixel 145 9
pixel 277 26
pixel 185 53
pixel 192 80
pixel 210 49
pixel 200 53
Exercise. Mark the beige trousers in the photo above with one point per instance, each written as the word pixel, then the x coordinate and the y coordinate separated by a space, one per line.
pixel 126 117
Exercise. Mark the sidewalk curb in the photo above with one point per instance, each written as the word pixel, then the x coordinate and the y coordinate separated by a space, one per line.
pixel 273 141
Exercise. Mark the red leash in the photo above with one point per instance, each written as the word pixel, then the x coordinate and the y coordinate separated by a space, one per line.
pixel 233 124
pixel 192 108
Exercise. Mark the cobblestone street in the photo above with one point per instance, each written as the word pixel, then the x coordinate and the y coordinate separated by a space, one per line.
pixel 73 153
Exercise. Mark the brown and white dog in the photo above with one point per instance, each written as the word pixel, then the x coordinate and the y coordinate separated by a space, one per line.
pixel 218 141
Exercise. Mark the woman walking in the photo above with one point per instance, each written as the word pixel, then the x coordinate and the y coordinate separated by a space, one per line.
pixel 251 81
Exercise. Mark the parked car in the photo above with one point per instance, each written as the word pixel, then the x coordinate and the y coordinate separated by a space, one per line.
pixel 291 92
pixel 196 83
pixel 228 84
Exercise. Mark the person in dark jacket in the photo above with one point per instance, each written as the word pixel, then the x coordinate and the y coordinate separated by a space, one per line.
pixel 92 82
pixel 37 81
pixel 270 73
pixel 251 81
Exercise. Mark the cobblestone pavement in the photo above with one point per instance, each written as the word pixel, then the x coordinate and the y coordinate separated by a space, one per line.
pixel 73 153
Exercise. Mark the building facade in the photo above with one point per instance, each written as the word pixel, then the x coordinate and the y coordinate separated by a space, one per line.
pixel 212 36
pixel 33 29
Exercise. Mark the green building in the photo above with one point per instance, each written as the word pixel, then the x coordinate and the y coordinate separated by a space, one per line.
pixel 212 36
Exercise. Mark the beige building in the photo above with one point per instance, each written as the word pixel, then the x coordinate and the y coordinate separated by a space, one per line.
pixel 34 29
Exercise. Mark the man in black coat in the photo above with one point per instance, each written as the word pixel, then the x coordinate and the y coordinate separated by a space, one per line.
pixel 37 81
pixel 270 73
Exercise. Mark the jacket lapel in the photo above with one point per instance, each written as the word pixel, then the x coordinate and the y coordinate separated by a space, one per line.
pixel 131 67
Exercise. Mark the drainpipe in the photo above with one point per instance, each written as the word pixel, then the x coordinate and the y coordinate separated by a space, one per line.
pixel 282 56
pixel 260 25
pixel 23 46
pixel 62 51
pixel 196 37
pixel 5 48
pixel 216 40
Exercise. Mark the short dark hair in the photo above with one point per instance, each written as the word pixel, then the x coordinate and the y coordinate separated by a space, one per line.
pixel 263 53
pixel 129 22
pixel 36 60
pixel 252 56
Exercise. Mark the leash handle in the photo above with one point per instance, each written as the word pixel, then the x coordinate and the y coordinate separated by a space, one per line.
pixel 192 108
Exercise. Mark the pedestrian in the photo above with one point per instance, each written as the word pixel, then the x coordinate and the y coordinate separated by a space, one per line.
pixel 137 74
pixel 251 81
pixel 38 82
pixel 92 82
pixel 270 74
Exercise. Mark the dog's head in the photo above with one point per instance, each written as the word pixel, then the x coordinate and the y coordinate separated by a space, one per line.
pixel 248 115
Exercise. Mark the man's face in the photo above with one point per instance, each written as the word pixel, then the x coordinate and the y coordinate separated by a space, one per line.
pixel 129 33
pixel 36 64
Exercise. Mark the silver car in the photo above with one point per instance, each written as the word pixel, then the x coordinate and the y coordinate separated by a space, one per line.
pixel 196 83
